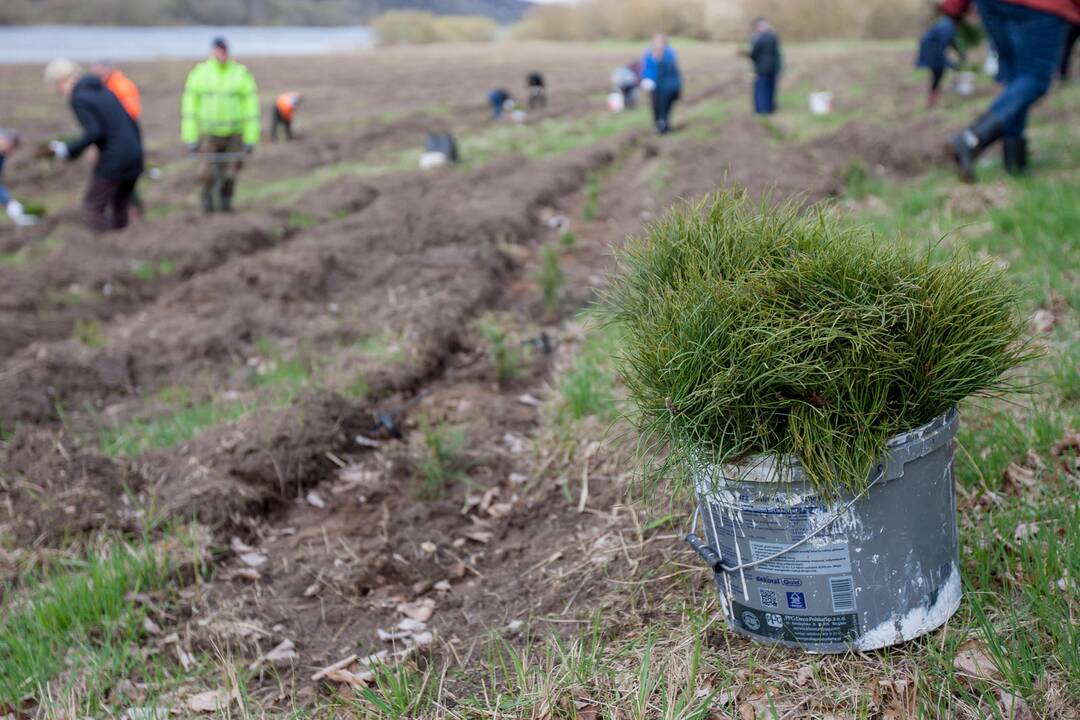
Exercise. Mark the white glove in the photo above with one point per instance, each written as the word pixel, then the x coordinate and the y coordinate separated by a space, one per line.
pixel 18 215
pixel 59 149
pixel 648 84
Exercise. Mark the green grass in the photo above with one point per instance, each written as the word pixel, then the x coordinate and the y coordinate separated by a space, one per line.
pixel 149 270
pixel 178 426
pixel 591 208
pixel 76 631
pixel 588 387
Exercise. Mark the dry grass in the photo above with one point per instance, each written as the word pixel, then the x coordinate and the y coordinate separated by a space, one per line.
pixel 407 27
pixel 713 20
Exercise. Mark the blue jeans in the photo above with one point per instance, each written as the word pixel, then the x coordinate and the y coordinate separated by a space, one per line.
pixel 1029 43
pixel 765 94
pixel 663 100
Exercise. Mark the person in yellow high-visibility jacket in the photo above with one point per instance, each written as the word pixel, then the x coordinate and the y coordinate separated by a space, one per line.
pixel 219 118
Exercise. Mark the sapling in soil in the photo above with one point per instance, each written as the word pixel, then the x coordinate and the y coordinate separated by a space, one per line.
pixel 751 329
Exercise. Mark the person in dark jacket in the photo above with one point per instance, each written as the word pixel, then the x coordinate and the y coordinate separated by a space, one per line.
pixel 765 54
pixel 534 82
pixel 933 54
pixel 660 75
pixel 107 125
pixel 1029 36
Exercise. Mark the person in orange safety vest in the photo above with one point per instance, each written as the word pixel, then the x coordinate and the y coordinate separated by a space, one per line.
pixel 284 110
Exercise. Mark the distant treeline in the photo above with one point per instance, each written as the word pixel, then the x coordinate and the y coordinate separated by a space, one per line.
pixel 722 19
pixel 240 12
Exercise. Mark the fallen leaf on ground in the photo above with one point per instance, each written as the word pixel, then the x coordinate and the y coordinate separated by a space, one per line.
pixel 1043 321
pixel 1013 707
pixel 971 660
pixel 315 501
pixel 529 400
pixel 249 574
pixel 1070 441
pixel 312 590
pixel 457 570
pixel 253 559
pixel 480 536
pixel 150 626
pixel 209 701
pixel 239 546
pixel 184 657
pixel 350 678
pixel 747 712
pixel 1025 530
pixel 419 610
pixel 283 653
pixel 442 586
pixel 1019 475
pixel 803 675
pixel 428 547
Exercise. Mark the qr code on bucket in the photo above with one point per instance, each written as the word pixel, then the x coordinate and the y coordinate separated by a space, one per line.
pixel 768 598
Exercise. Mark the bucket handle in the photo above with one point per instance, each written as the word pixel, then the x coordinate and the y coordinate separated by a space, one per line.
pixel 715 561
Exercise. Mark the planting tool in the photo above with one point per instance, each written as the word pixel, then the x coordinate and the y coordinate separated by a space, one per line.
pixel 388 420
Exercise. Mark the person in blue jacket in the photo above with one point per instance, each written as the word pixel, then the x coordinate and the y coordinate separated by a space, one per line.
pixel 660 75
pixel 933 54
pixel 9 140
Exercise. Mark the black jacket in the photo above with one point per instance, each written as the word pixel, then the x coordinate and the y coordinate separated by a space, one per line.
pixel 106 124
pixel 765 52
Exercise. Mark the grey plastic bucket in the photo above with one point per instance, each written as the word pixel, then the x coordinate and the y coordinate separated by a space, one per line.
pixel 859 573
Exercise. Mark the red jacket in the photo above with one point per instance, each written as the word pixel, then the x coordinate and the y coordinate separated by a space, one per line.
pixel 1068 9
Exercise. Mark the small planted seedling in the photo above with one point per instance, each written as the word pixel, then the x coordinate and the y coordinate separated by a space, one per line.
pixel 440 459
pixel 90 333
pixel 755 330
pixel 505 355
pixel 550 278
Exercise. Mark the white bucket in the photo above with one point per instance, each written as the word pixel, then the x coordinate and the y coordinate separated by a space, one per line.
pixel 431 160
pixel 965 83
pixel 616 102
pixel 821 102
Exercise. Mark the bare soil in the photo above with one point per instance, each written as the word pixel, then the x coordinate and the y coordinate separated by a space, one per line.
pixel 408 259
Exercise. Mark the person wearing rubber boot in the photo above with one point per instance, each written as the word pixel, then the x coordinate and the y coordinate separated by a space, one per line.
pixel 220 120
pixel 660 75
pixel 1029 36
pixel 107 125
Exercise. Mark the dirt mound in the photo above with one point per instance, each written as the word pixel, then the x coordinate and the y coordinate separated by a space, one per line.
pixel 897 151
pixel 88 277
pixel 256 464
pixel 424 255
pixel 53 489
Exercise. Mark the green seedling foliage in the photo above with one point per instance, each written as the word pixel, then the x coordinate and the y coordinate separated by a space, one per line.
pixel 440 459
pixel 591 208
pixel 505 355
pixel 568 240
pixel 550 278
pixel 756 329
pixel 90 333
pixel 588 388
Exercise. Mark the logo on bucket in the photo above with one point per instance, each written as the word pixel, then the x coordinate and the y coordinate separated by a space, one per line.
pixel 751 621
pixel 796 601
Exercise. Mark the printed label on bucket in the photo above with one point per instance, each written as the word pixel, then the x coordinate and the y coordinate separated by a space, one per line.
pixel 814 629
pixel 806 560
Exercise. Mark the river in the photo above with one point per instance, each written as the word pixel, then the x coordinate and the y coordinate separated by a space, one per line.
pixel 41 43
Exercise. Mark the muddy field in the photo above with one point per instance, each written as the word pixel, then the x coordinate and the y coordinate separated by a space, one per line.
pixel 275 375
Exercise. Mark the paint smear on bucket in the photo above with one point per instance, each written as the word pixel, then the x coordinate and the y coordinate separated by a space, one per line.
pixel 916 621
